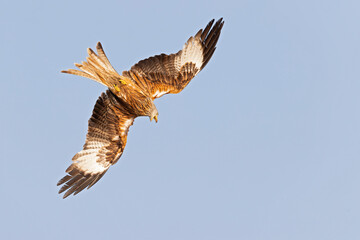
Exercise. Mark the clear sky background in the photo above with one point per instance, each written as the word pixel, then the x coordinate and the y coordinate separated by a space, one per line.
pixel 263 143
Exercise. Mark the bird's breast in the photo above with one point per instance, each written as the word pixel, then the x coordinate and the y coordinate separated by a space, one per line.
pixel 136 101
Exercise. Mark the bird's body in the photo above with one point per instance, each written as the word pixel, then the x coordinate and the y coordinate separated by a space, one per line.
pixel 130 95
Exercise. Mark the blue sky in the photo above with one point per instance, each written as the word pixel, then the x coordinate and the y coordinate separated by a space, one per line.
pixel 262 144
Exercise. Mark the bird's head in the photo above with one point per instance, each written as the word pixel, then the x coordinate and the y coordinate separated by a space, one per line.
pixel 153 114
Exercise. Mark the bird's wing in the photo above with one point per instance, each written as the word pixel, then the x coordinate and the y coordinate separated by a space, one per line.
pixel 164 74
pixel 105 143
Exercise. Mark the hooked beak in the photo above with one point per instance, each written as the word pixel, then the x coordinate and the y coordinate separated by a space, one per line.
pixel 155 117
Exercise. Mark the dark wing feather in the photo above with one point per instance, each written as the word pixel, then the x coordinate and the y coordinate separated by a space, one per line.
pixel 104 145
pixel 164 74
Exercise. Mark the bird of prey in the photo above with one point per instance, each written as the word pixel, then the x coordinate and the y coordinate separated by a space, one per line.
pixel 128 96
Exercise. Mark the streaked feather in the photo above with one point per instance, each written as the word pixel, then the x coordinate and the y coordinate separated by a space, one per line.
pixel 163 73
pixel 109 121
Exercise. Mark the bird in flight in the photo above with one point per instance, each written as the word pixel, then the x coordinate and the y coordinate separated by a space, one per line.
pixel 128 96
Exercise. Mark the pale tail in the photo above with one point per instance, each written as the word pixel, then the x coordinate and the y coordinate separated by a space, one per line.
pixel 97 68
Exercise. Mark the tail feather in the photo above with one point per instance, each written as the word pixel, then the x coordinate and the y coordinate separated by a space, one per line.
pixel 103 57
pixel 97 67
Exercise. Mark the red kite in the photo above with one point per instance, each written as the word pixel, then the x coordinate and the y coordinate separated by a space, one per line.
pixel 131 95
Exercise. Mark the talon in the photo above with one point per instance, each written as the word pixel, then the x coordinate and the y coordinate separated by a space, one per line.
pixel 156 118
pixel 116 88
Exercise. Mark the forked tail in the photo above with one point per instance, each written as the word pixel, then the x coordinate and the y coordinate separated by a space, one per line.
pixel 97 68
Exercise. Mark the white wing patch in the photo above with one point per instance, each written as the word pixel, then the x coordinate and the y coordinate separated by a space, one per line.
pixel 89 164
pixel 192 52
pixel 88 160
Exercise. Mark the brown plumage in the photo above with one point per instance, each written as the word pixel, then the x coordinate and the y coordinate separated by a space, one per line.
pixel 130 95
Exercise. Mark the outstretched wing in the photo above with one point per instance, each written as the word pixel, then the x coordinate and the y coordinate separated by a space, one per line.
pixel 164 74
pixel 104 145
